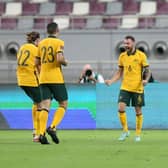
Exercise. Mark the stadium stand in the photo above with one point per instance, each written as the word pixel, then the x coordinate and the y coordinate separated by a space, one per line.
pixel 77 23
pixel 80 8
pixel 47 8
pixel 2 8
pixel 25 23
pixel 13 9
pixel 97 8
pixel 110 13
pixel 111 23
pixel 40 23
pixel 129 21
pixel 114 8
pixel 63 22
pixel 64 8
pixel 146 22
pixel 94 23
pixel 148 7
pixel 8 23
pixel 30 9
pixel 130 7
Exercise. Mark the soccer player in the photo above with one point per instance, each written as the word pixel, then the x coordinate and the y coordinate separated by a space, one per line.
pixel 131 64
pixel 27 76
pixel 51 58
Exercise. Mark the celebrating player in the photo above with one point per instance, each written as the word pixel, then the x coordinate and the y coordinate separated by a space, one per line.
pixel 51 58
pixel 131 64
pixel 27 76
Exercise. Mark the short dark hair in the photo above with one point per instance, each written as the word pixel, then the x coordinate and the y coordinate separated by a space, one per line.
pixel 52 28
pixel 130 37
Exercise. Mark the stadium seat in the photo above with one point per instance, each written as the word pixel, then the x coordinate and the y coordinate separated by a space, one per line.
pixel 25 23
pixel 13 8
pixel 162 7
pixel 38 1
pixel 80 8
pixel 30 8
pixel 111 23
pixel 130 7
pixel 41 23
pixel 63 22
pixel 63 8
pixel 77 23
pixel 8 23
pixel 2 8
pixel 114 8
pixel 107 0
pixel 161 21
pixel 47 8
pixel 97 8
pixel 129 21
pixel 94 23
pixel 148 22
pixel 147 7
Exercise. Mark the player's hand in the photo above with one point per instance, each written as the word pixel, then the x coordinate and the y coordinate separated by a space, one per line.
pixel 145 82
pixel 108 82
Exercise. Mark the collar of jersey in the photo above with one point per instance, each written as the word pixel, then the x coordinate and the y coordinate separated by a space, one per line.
pixel 52 36
pixel 131 53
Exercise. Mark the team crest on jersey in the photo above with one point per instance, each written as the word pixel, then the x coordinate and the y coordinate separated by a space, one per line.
pixel 136 60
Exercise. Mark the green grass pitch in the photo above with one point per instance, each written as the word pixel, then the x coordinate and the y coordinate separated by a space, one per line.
pixel 84 149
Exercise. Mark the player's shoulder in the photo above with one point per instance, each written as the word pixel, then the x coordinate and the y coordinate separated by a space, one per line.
pixel 123 54
pixel 60 40
pixel 140 52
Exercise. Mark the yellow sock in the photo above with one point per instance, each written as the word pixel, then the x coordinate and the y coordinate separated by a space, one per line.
pixel 139 122
pixel 34 117
pixel 58 116
pixel 43 121
pixel 38 123
pixel 123 121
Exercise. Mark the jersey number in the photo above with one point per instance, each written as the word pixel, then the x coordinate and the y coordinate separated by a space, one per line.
pixel 23 57
pixel 47 54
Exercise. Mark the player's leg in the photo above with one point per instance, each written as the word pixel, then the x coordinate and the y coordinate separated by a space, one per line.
pixel 139 122
pixel 124 99
pixel 138 102
pixel 60 94
pixel 45 107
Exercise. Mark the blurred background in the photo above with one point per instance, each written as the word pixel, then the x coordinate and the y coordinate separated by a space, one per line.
pixel 93 32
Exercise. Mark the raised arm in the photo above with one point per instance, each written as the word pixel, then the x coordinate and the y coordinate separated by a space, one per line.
pixel 115 77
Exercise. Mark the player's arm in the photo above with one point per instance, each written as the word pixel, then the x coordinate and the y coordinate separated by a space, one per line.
pixel 38 64
pixel 61 59
pixel 146 74
pixel 115 77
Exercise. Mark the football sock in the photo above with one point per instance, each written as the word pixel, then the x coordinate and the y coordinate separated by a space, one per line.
pixel 34 117
pixel 58 116
pixel 38 122
pixel 123 121
pixel 139 122
pixel 43 121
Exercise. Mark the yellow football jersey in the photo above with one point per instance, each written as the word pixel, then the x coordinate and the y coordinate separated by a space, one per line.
pixel 51 71
pixel 26 75
pixel 132 70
